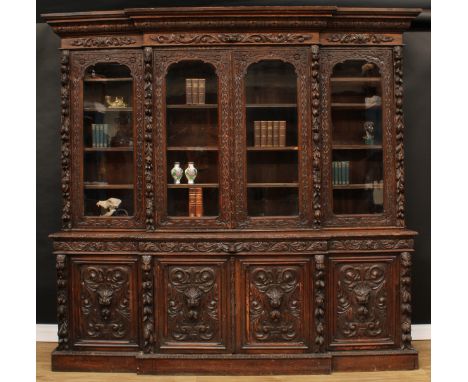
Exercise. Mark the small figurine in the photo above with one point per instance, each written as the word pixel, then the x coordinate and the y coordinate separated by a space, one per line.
pixel 177 173
pixel 109 206
pixel 375 100
pixel 117 103
pixel 369 130
pixel 367 68
pixel 191 173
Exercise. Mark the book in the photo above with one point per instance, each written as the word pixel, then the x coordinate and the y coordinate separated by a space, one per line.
pixel 269 133
pixel 93 130
pixel 201 90
pixel 333 173
pixel 188 90
pixel 256 133
pixel 99 135
pixel 263 133
pixel 192 202
pixel 195 91
pixel 198 202
pixel 282 133
pixel 346 165
pixel 339 172
pixel 276 129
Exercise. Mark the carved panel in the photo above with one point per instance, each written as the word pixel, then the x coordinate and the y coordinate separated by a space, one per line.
pixel 193 305
pixel 229 38
pixel 106 311
pixel 363 301
pixel 405 299
pixel 276 308
pixel 147 303
pixel 382 57
pixel 219 59
pixel 400 129
pixel 80 61
pixel 319 303
pixel 298 57
pixel 62 302
pixel 65 136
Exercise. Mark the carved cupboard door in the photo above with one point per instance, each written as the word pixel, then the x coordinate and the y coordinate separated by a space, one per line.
pixel 272 141
pixel 274 305
pixel 192 304
pixel 106 304
pixel 363 302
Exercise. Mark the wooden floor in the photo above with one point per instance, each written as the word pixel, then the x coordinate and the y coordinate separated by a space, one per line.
pixel 44 373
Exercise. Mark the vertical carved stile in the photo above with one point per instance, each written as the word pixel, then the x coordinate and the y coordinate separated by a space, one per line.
pixel 149 193
pixel 65 136
pixel 399 127
pixel 405 299
pixel 319 311
pixel 316 161
pixel 147 304
pixel 62 302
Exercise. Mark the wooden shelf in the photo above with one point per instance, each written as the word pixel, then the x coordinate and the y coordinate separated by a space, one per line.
pixel 101 186
pixel 104 80
pixel 272 185
pixel 356 147
pixel 192 148
pixel 270 105
pixel 194 106
pixel 356 186
pixel 345 105
pixel 355 80
pixel 108 149
pixel 108 109
pixel 185 185
pixel 285 148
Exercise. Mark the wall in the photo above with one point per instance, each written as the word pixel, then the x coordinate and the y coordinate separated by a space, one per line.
pixel 417 141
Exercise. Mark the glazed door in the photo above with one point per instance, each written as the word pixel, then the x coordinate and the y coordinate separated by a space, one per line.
pixel 272 134
pixel 107 139
pixel 358 182
pixel 192 138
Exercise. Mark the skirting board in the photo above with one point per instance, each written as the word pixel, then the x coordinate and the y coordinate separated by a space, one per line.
pixel 48 332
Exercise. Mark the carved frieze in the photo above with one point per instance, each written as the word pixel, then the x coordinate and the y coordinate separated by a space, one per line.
pixel 103 42
pixel 370 244
pixel 193 304
pixel 362 306
pixel 79 246
pixel 147 303
pixel 359 38
pixel 319 301
pixel 275 305
pixel 105 310
pixel 229 38
pixel 62 302
pixel 405 299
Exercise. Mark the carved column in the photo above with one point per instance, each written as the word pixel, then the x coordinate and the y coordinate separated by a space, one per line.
pixel 65 136
pixel 62 302
pixel 319 305
pixel 149 193
pixel 405 299
pixel 399 130
pixel 316 162
pixel 147 303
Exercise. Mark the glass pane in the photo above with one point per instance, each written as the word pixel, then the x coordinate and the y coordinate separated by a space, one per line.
pixel 357 163
pixel 108 158
pixel 192 140
pixel 272 139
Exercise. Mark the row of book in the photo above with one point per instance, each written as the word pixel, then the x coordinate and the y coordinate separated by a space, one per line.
pixel 195 91
pixel 340 171
pixel 270 133
pixel 195 202
pixel 100 135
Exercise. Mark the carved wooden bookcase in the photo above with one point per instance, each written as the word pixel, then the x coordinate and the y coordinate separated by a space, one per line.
pixel 300 253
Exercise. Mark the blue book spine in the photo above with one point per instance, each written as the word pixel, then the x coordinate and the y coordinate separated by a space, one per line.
pixel 101 135
pixel 93 127
pixel 347 172
pixel 335 173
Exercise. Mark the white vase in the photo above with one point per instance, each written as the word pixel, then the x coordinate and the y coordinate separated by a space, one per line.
pixel 177 173
pixel 191 173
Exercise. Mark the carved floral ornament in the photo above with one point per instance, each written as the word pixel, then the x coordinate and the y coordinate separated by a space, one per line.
pixel 359 38
pixel 103 42
pixel 230 38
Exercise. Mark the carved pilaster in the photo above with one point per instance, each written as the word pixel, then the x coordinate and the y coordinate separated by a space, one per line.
pixel 319 310
pixel 316 162
pixel 147 304
pixel 399 130
pixel 62 302
pixel 65 136
pixel 149 193
pixel 405 299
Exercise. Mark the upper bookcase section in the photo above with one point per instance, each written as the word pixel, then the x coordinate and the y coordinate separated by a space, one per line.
pixel 243 25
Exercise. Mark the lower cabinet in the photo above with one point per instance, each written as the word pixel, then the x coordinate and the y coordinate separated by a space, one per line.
pixel 105 302
pixel 363 301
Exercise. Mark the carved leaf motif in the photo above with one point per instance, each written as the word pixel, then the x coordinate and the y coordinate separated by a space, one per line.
pixel 230 38
pixel 405 298
pixel 147 302
pixel 359 38
pixel 62 301
pixel 319 312
pixel 103 42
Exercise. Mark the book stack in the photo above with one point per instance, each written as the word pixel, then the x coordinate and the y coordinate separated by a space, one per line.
pixel 269 133
pixel 100 132
pixel 195 91
pixel 340 172
pixel 195 202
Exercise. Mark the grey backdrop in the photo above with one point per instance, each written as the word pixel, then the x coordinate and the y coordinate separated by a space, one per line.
pixel 417 140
